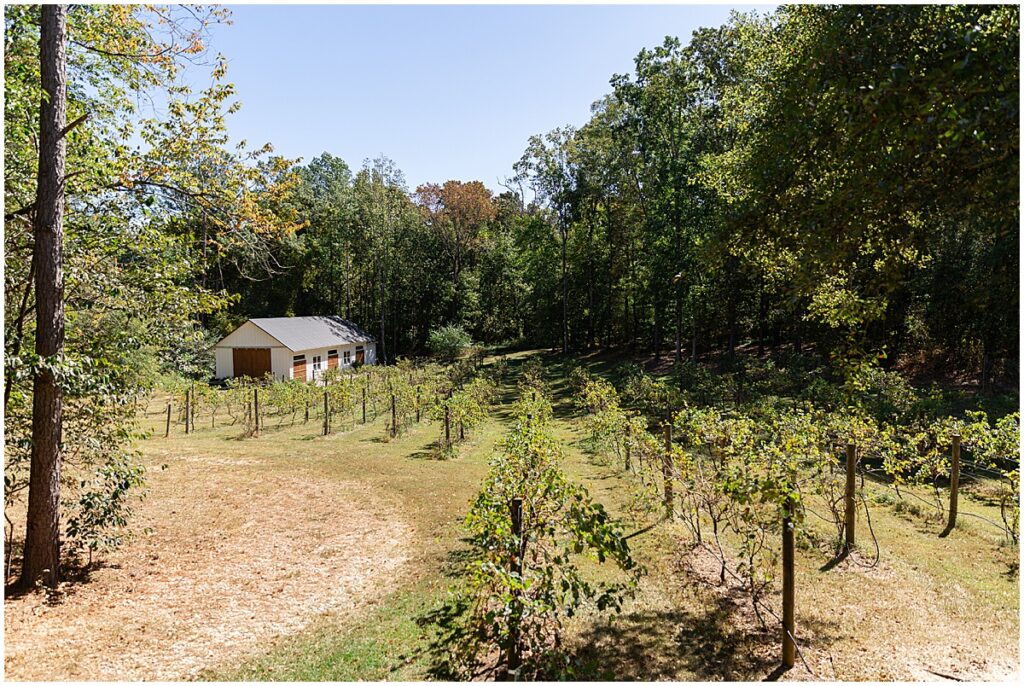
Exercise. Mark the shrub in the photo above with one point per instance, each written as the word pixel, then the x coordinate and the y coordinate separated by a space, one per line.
pixel 448 342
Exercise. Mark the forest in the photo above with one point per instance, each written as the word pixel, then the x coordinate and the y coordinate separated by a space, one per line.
pixel 825 191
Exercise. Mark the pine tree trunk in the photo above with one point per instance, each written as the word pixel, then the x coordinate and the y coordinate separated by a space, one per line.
pixel 41 561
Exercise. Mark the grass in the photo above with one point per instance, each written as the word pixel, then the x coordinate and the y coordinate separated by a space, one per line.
pixel 931 605
pixel 675 629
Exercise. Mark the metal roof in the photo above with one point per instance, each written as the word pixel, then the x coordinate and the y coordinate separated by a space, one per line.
pixel 305 333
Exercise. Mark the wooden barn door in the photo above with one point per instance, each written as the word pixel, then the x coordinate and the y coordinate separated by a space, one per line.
pixel 360 355
pixel 254 362
pixel 332 359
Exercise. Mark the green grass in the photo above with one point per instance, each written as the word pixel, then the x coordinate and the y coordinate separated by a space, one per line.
pixel 387 644
pixel 933 596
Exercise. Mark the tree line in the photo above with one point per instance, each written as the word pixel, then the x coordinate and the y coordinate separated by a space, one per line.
pixel 846 177
pixel 842 176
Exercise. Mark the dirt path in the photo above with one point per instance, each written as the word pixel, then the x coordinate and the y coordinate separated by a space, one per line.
pixel 238 554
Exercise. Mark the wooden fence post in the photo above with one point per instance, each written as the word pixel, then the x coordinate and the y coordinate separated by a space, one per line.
pixel 629 442
pixel 447 426
pixel 167 432
pixel 192 410
pixel 327 414
pixel 954 486
pixel 364 404
pixel 515 654
pixel 417 404
pixel 788 591
pixel 394 417
pixel 851 504
pixel 256 411
pixel 188 407
pixel 667 469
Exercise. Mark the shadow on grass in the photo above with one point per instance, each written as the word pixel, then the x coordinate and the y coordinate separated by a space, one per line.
pixel 652 645
pixel 76 572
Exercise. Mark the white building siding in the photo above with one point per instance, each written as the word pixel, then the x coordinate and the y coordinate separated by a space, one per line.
pixel 281 363
pixel 249 335
pixel 370 350
pixel 225 362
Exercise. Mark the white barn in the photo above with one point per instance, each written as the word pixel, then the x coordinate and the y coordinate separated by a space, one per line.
pixel 293 347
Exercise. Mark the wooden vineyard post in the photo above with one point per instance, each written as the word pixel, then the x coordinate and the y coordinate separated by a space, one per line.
pixel 629 461
pixel 306 420
pixel 514 655
pixel 364 404
pixel 327 414
pixel 394 417
pixel 167 432
pixel 447 426
pixel 192 410
pixel 954 486
pixel 788 591
pixel 417 404
pixel 667 469
pixel 851 505
pixel 188 407
pixel 256 412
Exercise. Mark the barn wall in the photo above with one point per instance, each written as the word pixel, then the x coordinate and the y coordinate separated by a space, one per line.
pixel 249 335
pixel 225 363
pixel 371 357
pixel 281 363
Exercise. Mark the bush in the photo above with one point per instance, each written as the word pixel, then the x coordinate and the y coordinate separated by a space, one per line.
pixel 448 342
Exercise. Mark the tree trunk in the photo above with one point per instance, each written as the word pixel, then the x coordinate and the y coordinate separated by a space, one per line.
pixel 731 316
pixel 762 320
pixel 383 338
pixel 693 339
pixel 656 338
pixel 679 328
pixel 565 296
pixel 41 561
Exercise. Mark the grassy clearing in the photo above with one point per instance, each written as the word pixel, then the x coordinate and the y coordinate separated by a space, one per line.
pixel 949 605
pixel 931 605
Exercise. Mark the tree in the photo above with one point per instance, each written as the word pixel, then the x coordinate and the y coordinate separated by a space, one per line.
pixel 42 539
pixel 547 167
pixel 459 213
pixel 137 234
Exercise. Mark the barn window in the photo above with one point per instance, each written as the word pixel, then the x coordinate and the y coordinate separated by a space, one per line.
pixel 332 353
pixel 317 364
pixel 347 356
pixel 299 358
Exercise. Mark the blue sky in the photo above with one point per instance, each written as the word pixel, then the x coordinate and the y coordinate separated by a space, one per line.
pixel 447 92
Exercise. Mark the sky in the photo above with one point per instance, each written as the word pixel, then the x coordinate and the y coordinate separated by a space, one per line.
pixel 447 92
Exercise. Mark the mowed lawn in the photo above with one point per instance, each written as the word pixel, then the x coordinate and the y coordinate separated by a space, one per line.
pixel 299 556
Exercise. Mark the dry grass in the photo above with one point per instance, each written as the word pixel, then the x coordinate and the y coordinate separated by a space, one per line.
pixel 295 556
pixel 238 554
